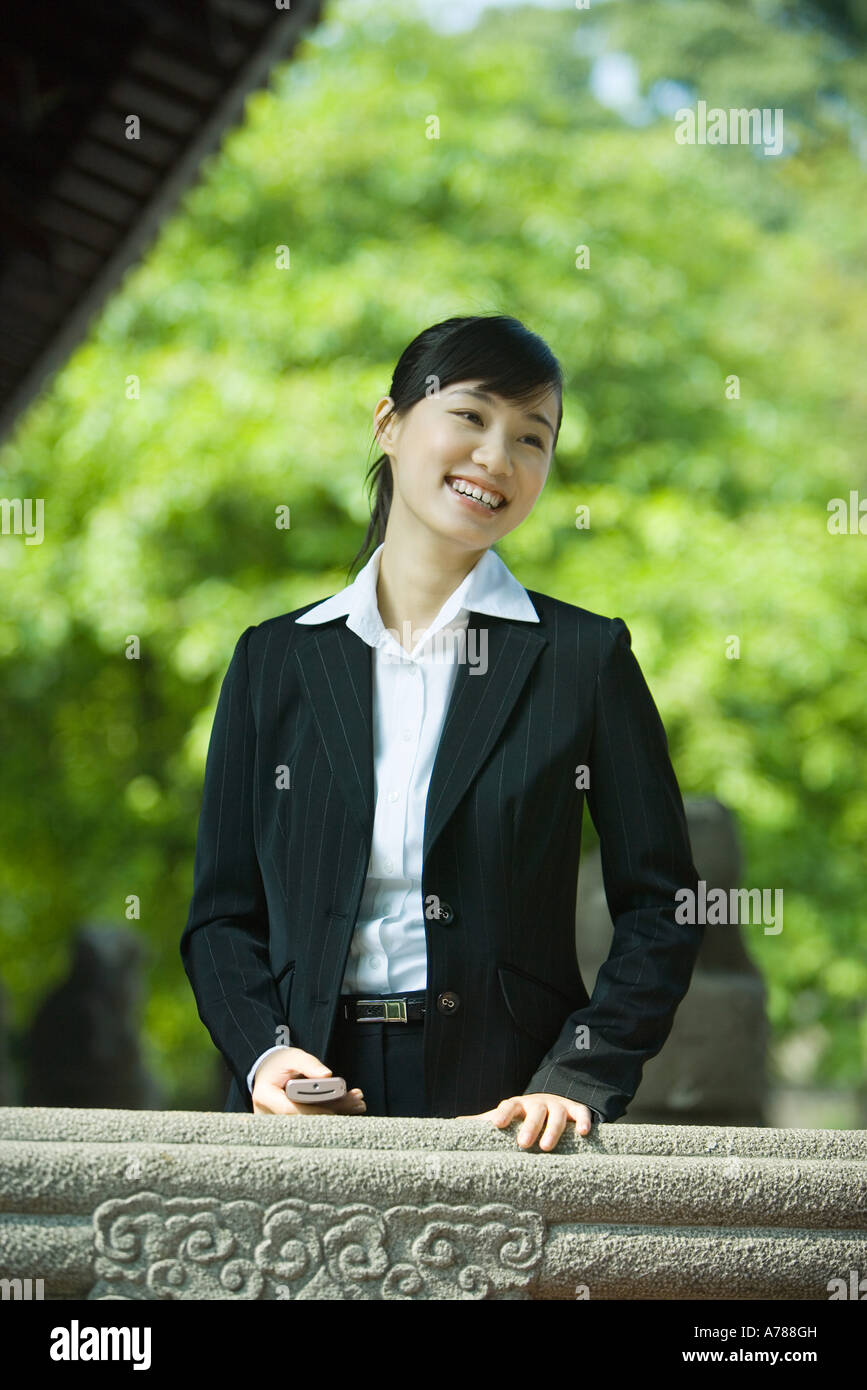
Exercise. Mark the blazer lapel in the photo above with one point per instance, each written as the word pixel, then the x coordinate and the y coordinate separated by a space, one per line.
pixel 336 671
pixel 478 710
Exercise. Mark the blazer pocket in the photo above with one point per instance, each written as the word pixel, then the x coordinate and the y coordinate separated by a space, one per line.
pixel 536 1008
pixel 284 985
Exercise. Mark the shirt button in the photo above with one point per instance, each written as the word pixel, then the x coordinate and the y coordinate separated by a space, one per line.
pixel 392 796
pixel 406 735
pixel 448 1001
pixel 389 865
pixel 373 961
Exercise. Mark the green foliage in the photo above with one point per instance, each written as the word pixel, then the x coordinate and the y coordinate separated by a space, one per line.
pixel 708 514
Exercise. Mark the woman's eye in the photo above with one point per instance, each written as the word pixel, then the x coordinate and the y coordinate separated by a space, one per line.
pixel 534 438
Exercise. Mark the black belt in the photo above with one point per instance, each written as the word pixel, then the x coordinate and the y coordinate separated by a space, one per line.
pixel 397 1008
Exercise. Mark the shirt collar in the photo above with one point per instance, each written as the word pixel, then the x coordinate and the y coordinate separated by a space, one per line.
pixel 490 587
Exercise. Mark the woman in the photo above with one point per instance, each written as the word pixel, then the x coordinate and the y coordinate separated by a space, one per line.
pixel 388 849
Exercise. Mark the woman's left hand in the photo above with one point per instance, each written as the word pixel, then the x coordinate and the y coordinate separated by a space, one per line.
pixel 536 1109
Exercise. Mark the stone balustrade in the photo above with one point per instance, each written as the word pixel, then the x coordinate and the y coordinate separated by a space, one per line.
pixel 123 1204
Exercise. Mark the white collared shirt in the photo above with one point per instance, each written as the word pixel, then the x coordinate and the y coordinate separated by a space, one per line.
pixel 411 694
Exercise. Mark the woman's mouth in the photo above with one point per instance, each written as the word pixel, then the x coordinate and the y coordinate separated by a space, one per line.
pixel 482 500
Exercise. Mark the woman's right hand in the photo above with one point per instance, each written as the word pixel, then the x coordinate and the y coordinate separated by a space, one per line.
pixel 269 1082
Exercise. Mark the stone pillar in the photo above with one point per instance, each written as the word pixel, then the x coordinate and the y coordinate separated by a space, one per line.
pixel 712 1068
pixel 83 1048
pixel 7 1095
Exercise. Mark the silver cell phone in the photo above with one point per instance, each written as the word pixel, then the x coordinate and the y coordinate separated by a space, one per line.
pixel 308 1089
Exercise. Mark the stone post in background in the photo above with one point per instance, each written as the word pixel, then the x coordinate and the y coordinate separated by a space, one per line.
pixel 7 1091
pixel 83 1048
pixel 712 1068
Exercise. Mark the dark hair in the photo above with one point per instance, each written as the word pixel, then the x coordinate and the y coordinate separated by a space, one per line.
pixel 494 349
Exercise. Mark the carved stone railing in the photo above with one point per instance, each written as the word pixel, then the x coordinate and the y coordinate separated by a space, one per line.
pixel 121 1204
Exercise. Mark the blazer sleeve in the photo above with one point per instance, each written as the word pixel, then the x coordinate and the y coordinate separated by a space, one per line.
pixel 224 945
pixel 636 806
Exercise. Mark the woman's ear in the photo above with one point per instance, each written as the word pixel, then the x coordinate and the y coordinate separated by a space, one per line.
pixel 382 423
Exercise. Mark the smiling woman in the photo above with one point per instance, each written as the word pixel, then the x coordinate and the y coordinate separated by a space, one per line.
pixel 469 388
pixel 424 887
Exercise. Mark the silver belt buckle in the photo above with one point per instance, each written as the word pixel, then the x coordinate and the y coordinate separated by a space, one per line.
pixel 394 1011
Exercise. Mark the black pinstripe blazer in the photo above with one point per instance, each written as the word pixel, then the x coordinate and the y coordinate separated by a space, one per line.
pixel 279 872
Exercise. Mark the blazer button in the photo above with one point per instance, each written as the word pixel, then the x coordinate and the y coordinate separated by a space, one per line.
pixel 446 913
pixel 448 1001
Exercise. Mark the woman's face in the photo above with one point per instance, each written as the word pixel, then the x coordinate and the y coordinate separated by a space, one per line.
pixel 462 439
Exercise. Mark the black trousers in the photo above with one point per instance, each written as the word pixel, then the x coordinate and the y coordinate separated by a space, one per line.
pixel 384 1059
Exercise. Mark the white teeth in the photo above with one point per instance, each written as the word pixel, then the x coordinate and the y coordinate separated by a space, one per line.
pixel 468 490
